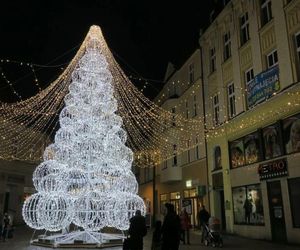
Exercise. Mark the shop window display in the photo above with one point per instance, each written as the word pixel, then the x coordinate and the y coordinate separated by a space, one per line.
pixel 248 207
pixel 237 153
pixel 294 188
pixel 272 139
pixel 291 131
pixel 251 144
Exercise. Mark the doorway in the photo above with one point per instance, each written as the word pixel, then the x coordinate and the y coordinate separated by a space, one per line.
pixel 222 206
pixel 276 212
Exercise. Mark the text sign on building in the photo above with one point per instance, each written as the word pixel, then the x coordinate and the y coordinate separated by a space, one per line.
pixel 263 86
pixel 273 169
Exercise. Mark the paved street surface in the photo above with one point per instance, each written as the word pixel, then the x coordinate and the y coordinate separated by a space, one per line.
pixel 22 236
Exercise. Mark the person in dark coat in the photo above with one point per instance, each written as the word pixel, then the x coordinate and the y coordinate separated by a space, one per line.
pixel 6 223
pixel 204 217
pixel 171 229
pixel 137 230
pixel 156 236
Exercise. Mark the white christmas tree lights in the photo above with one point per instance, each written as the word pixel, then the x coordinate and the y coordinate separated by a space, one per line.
pixel 86 176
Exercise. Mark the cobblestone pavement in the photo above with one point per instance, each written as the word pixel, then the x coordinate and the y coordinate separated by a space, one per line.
pixel 22 236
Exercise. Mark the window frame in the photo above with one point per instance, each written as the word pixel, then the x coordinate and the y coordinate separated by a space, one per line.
pixel 227 46
pixel 244 28
pixel 212 60
pixel 195 106
pixel 267 5
pixel 292 201
pixel 174 159
pixel 191 73
pixel 216 109
pixel 297 48
pixel 273 57
pixel 231 100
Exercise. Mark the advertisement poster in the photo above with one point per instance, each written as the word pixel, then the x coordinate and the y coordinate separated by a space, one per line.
pixel 263 86
pixel 187 204
pixel 251 144
pixel 237 153
pixel 291 132
pixel 271 139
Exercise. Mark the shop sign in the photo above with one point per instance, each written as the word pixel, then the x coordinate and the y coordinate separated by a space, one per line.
pixel 187 204
pixel 273 169
pixel 263 86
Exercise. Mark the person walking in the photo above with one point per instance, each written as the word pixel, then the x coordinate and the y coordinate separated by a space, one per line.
pixel 185 226
pixel 204 217
pixel 137 230
pixel 156 236
pixel 6 223
pixel 171 229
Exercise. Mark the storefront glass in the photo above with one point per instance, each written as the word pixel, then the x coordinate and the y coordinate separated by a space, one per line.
pixel 294 188
pixel 237 153
pixel 252 152
pixel 272 141
pixel 291 132
pixel 248 207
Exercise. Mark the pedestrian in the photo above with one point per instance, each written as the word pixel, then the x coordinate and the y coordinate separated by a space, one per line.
pixel 156 236
pixel 171 229
pixel 6 223
pixel 204 217
pixel 137 230
pixel 185 223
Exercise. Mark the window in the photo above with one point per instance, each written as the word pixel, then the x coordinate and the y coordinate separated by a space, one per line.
pixel 252 148
pixel 173 117
pixel 195 106
pixel 248 205
pixel 237 153
pixel 231 100
pixel 191 74
pixel 174 155
pixel 163 201
pixel 165 164
pixel 249 75
pixel 197 149
pixel 272 59
pixel 186 109
pixel 227 46
pixel 218 158
pixel 244 26
pixel 297 42
pixel 272 141
pixel 212 64
pixel 188 151
pixel 291 134
pixel 266 11
pixel 216 110
pixel 294 189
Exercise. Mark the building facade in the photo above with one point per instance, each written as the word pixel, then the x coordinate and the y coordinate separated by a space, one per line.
pixel 182 179
pixel 251 68
pixel 16 175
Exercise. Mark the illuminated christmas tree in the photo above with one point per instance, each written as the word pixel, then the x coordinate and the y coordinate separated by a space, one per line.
pixel 86 178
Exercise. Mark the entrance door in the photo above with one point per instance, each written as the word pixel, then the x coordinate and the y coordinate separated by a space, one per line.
pixel 276 212
pixel 222 205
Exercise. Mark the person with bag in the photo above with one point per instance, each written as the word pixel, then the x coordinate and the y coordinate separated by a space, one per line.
pixel 137 230
pixel 185 223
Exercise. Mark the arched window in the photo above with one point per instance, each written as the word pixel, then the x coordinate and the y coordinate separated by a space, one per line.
pixel 218 158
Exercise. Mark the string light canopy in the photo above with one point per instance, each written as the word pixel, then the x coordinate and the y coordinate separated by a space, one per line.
pixel 153 134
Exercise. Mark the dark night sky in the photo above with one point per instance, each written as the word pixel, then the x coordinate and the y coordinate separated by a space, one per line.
pixel 143 34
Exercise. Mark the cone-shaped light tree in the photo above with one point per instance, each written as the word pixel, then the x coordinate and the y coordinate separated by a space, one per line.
pixel 86 176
